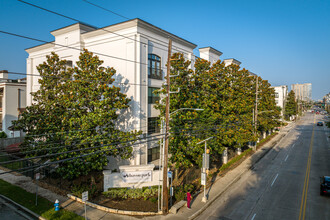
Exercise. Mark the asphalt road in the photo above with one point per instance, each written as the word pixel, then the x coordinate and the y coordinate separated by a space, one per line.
pixel 285 184
pixel 9 212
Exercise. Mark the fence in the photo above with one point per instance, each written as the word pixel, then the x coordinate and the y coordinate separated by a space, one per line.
pixel 4 142
pixel 15 165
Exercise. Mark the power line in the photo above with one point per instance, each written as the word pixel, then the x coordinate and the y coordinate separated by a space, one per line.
pixel 74 48
pixel 76 20
pixel 71 151
pixel 68 159
pixel 98 6
pixel 59 142
pixel 175 133
pixel 105 9
pixel 26 169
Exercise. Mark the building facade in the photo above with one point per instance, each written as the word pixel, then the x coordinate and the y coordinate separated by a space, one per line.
pixel 12 102
pixel 138 51
pixel 281 93
pixel 303 92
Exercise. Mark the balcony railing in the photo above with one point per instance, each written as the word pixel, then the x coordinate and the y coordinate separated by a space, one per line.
pixel 155 73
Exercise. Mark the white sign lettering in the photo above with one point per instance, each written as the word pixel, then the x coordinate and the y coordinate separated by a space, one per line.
pixel 84 196
pixel 136 176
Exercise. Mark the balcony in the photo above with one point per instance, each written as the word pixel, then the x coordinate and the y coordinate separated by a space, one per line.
pixel 155 73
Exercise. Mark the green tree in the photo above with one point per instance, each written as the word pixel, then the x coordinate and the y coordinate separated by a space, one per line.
pixel 291 105
pixel 76 109
pixel 268 113
pixel 225 95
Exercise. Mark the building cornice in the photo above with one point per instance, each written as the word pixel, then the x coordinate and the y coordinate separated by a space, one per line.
pixel 210 49
pixel 40 47
pixel 73 27
pixel 232 61
pixel 139 24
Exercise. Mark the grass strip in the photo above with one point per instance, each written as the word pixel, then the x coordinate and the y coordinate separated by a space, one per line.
pixel 45 208
pixel 234 160
pixel 238 157
pixel 261 142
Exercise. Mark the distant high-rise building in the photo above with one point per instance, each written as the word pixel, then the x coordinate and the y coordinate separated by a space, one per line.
pixel 302 92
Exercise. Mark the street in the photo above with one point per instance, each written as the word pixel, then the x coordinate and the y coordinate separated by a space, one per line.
pixel 285 184
pixel 9 212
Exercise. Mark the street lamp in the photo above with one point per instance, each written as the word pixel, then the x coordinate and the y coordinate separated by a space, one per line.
pixel 194 109
pixel 204 199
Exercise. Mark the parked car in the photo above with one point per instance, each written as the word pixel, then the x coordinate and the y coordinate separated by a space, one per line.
pixel 325 185
pixel 320 123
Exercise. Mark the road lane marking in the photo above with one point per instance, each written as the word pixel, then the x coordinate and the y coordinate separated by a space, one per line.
pixel 293 145
pixel 274 179
pixel 305 189
pixel 253 216
pixel 286 157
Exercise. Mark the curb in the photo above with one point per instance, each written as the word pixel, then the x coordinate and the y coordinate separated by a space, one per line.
pixel 196 214
pixel 110 210
pixel 22 207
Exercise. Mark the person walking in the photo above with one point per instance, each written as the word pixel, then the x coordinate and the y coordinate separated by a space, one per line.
pixel 188 199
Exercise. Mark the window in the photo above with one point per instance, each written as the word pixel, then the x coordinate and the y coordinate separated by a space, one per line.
pixel 153 125
pixel 153 154
pixel 276 94
pixel 68 63
pixel 1 102
pixel 152 97
pixel 154 67
pixel 1 121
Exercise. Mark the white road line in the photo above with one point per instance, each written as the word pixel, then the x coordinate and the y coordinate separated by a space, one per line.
pixel 293 145
pixel 274 179
pixel 286 157
pixel 253 216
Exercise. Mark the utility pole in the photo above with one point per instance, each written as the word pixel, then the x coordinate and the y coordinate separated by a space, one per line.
pixel 167 121
pixel 256 109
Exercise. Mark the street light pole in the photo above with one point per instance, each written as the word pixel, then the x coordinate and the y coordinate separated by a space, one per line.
pixel 204 199
pixel 256 112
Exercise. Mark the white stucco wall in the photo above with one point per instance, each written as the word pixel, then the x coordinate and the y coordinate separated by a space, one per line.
pixel 281 96
pixel 10 105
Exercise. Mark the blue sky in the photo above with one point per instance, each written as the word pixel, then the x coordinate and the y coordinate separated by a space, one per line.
pixel 285 42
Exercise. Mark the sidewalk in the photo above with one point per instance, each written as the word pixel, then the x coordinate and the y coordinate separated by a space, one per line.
pixel 219 186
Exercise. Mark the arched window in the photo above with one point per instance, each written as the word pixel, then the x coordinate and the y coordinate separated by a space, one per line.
pixel 154 67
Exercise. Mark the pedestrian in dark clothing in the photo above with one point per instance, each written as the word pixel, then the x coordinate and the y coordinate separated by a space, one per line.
pixel 188 199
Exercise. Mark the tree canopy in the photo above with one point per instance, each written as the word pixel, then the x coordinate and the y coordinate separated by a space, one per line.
pixel 227 96
pixel 75 113
pixel 291 105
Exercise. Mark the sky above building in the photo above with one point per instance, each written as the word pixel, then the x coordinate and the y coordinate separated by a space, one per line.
pixel 285 42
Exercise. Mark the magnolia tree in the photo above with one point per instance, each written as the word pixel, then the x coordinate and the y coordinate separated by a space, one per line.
pixel 74 116
pixel 227 96
pixel 290 106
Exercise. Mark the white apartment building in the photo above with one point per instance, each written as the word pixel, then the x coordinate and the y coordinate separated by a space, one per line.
pixel 12 102
pixel 138 51
pixel 281 93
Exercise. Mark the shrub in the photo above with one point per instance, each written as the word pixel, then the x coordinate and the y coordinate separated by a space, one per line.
pixel 154 199
pixel 77 190
pixel 137 193
pixel 181 191
pixel 3 134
